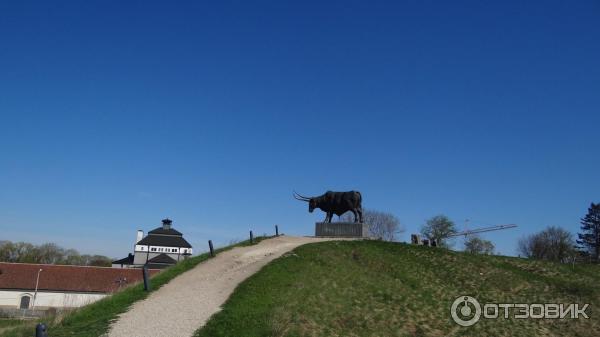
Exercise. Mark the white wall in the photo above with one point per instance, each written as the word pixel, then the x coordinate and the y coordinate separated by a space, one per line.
pixel 12 299
pixel 141 248
pixel 160 249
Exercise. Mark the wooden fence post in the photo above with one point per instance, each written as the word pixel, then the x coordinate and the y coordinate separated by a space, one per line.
pixel 146 278
pixel 212 251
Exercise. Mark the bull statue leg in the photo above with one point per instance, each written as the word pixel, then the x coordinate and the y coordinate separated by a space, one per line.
pixel 328 217
pixel 360 214
pixel 355 212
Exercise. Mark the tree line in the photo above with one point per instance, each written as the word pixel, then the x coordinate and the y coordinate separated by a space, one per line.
pixel 557 244
pixel 552 243
pixel 48 253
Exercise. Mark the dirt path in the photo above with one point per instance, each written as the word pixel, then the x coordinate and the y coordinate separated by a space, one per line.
pixel 185 304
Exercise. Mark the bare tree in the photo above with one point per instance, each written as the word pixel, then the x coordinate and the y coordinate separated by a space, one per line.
pixel 50 253
pixel 476 245
pixel 6 251
pixel 439 228
pixel 24 252
pixel 99 261
pixel 553 243
pixel 382 225
pixel 72 257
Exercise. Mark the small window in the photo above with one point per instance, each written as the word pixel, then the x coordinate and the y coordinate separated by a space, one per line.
pixel 25 302
pixel 174 250
pixel 153 249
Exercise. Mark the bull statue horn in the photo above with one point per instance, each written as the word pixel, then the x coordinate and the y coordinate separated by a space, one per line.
pixel 300 197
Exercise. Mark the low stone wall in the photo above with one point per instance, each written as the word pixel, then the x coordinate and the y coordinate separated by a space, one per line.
pixel 342 229
pixel 24 313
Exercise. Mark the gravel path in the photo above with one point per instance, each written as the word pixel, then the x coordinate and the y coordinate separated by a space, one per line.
pixel 185 304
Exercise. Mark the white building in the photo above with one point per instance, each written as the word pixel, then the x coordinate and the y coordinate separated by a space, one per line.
pixel 40 286
pixel 162 247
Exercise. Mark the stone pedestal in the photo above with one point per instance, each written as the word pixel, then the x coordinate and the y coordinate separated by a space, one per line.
pixel 342 230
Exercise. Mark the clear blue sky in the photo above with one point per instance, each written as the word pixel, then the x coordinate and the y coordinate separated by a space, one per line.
pixel 115 115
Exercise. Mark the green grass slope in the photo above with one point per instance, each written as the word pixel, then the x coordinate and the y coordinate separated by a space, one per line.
pixel 373 288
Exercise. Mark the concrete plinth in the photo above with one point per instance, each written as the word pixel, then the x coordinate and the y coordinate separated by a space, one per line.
pixel 342 229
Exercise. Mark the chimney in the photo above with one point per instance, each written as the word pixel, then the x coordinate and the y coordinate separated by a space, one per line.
pixel 167 224
pixel 140 235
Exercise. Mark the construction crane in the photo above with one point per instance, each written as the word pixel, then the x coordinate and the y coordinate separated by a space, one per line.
pixel 416 239
pixel 482 230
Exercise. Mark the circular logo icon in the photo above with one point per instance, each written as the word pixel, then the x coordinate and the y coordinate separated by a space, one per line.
pixel 469 308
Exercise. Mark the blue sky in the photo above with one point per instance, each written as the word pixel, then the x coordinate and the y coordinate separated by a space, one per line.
pixel 114 116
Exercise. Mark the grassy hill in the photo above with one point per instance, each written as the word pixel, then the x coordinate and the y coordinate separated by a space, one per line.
pixel 368 288
pixel 372 288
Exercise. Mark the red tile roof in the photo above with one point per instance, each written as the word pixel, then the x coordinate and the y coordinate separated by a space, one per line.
pixel 68 278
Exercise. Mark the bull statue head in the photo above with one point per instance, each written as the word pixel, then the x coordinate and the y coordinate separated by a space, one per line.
pixel 312 204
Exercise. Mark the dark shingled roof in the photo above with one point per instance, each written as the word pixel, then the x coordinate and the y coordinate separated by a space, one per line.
pixel 125 260
pixel 162 231
pixel 164 240
pixel 162 258
pixel 67 278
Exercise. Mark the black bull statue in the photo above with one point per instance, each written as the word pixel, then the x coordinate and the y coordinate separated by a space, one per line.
pixel 336 203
